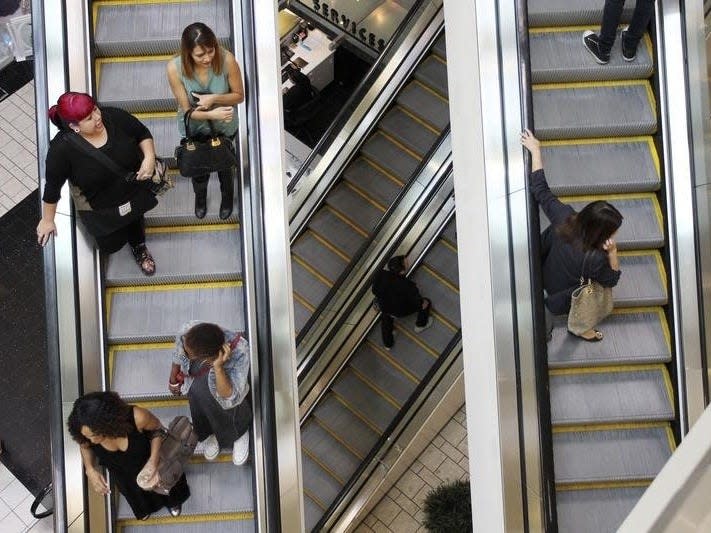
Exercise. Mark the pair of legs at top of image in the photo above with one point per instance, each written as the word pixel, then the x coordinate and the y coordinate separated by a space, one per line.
pixel 600 45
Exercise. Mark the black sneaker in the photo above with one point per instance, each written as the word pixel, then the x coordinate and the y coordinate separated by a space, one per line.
pixel 628 54
pixel 592 42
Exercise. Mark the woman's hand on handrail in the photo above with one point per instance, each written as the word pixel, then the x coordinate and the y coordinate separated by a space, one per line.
pixel 533 145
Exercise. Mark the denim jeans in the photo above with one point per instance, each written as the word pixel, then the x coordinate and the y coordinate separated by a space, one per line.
pixel 611 15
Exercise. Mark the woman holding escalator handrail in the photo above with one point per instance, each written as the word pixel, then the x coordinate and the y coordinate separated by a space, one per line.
pixel 574 242
pixel 206 77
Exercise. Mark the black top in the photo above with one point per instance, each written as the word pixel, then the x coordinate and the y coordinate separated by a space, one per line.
pixel 101 187
pixel 396 294
pixel 562 260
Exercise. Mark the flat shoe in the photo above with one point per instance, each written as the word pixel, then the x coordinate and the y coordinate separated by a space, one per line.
pixel 597 338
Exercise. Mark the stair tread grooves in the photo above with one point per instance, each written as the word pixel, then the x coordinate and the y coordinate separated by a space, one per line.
pixel 312 513
pixel 609 397
pixel 594 511
pixel 147 91
pixel 181 526
pixel 141 315
pixel 165 135
pixel 318 482
pixel 371 180
pixel 443 260
pixel 308 286
pixel 408 131
pixel 425 105
pixel 326 224
pixel 629 337
pixel 328 450
pixel 593 456
pixel 359 210
pixel 150 380
pixel 389 156
pixel 440 47
pixel 405 351
pixel 346 425
pixel 443 298
pixel 559 56
pixel 178 205
pixel 600 111
pixel 433 73
pixel 309 249
pixel 203 476
pixel 641 280
pixel 382 374
pixel 364 400
pixel 569 12
pixel 301 316
pixel 580 168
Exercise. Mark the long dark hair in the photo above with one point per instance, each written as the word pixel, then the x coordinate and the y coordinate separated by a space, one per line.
pixel 104 413
pixel 199 34
pixel 592 226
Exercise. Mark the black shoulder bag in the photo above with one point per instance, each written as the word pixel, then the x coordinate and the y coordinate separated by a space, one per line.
pixel 198 155
pixel 106 220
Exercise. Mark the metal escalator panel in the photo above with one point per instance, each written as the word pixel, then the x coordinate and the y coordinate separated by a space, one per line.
pixel 199 271
pixel 369 186
pixel 360 405
pixel 612 402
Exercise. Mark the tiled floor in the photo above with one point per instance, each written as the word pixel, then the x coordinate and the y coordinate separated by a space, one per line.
pixel 15 501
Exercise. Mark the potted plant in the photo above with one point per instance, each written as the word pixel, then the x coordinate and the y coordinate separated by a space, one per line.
pixel 448 508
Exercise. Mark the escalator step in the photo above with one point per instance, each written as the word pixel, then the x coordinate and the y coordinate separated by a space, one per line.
pixel 426 104
pixel 595 511
pixel 210 524
pixel 301 315
pixel 207 490
pixel 643 225
pixel 177 206
pixel 220 256
pixel 384 375
pixel 440 47
pixel 597 109
pixel 388 155
pixel 435 338
pixel 357 209
pixel 570 12
pixel 432 71
pixel 154 313
pixel 164 128
pixel 314 253
pixel 154 28
pixel 450 233
pixel 340 421
pixel 417 136
pixel 369 404
pixel 336 231
pixel 307 284
pixel 643 282
pixel 317 482
pixel 443 259
pixel 406 351
pixel 136 84
pixel 634 453
pixel 639 393
pixel 312 512
pixel 558 55
pixel 377 185
pixel 640 336
pixel 444 299
pixel 154 362
pixel 602 166
pixel 337 458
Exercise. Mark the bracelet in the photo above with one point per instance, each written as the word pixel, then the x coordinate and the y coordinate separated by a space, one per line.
pixel 174 384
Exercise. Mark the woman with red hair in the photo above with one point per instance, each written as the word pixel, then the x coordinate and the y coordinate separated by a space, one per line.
pixel 109 201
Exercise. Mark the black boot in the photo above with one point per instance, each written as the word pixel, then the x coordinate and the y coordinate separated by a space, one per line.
pixel 200 204
pixel 227 201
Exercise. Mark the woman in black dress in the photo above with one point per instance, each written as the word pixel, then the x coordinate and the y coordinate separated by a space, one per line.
pixel 124 439
pixel 110 206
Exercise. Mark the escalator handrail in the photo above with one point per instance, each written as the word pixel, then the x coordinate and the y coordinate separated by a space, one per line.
pixel 421 167
pixel 451 351
pixel 357 95
pixel 548 495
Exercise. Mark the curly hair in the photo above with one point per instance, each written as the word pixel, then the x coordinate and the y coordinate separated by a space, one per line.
pixel 104 413
pixel 204 340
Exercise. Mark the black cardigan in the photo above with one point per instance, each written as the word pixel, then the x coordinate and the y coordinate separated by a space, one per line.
pixel 562 260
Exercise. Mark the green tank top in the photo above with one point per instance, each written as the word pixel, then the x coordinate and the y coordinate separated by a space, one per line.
pixel 216 84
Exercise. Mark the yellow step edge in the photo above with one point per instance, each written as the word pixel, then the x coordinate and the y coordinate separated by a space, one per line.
pixel 671 439
pixel 315 273
pixel 657 310
pixel 161 404
pixel 430 90
pixel 315 499
pixel 657 259
pixel 438 58
pixel 322 465
pixel 328 245
pixel 392 177
pixel 223 457
pixel 133 59
pixel 449 245
pixel 303 301
pixel 196 228
pixel 441 318
pixel 363 194
pixel 607 369
pixel 185 519
pixel 440 278
pixel 652 197
pixel 597 485
pixel 384 354
pixel 377 390
pixel 416 339
pixel 409 151
pixel 355 412
pixel 622 426
pixel 346 220
pixel 155 114
pixel 563 29
pixel 337 438
pixel 417 119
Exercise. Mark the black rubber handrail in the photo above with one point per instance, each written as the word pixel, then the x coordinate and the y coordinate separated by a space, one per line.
pixel 548 495
pixel 365 84
pixel 34 508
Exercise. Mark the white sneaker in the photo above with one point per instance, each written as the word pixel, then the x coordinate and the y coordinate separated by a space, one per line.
pixel 419 329
pixel 210 448
pixel 240 449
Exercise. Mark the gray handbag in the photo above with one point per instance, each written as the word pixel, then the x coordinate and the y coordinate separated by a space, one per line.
pixel 590 303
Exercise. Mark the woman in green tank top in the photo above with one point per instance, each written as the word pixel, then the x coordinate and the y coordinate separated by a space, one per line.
pixel 207 77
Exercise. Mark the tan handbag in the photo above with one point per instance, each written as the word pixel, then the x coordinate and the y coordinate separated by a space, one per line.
pixel 590 303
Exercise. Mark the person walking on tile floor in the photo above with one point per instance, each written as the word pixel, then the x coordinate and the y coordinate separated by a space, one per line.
pixel 207 77
pixel 110 206
pixel 600 45
pixel 124 439
pixel 397 296
pixel 211 366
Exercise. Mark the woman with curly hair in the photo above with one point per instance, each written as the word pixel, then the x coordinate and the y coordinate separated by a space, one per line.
pixel 124 439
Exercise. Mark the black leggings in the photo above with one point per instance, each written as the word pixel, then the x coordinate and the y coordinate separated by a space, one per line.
pixel 133 234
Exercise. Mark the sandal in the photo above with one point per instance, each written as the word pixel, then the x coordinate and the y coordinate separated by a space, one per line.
pixel 144 259
pixel 597 336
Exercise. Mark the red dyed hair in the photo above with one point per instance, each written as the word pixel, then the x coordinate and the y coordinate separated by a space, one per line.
pixel 71 107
